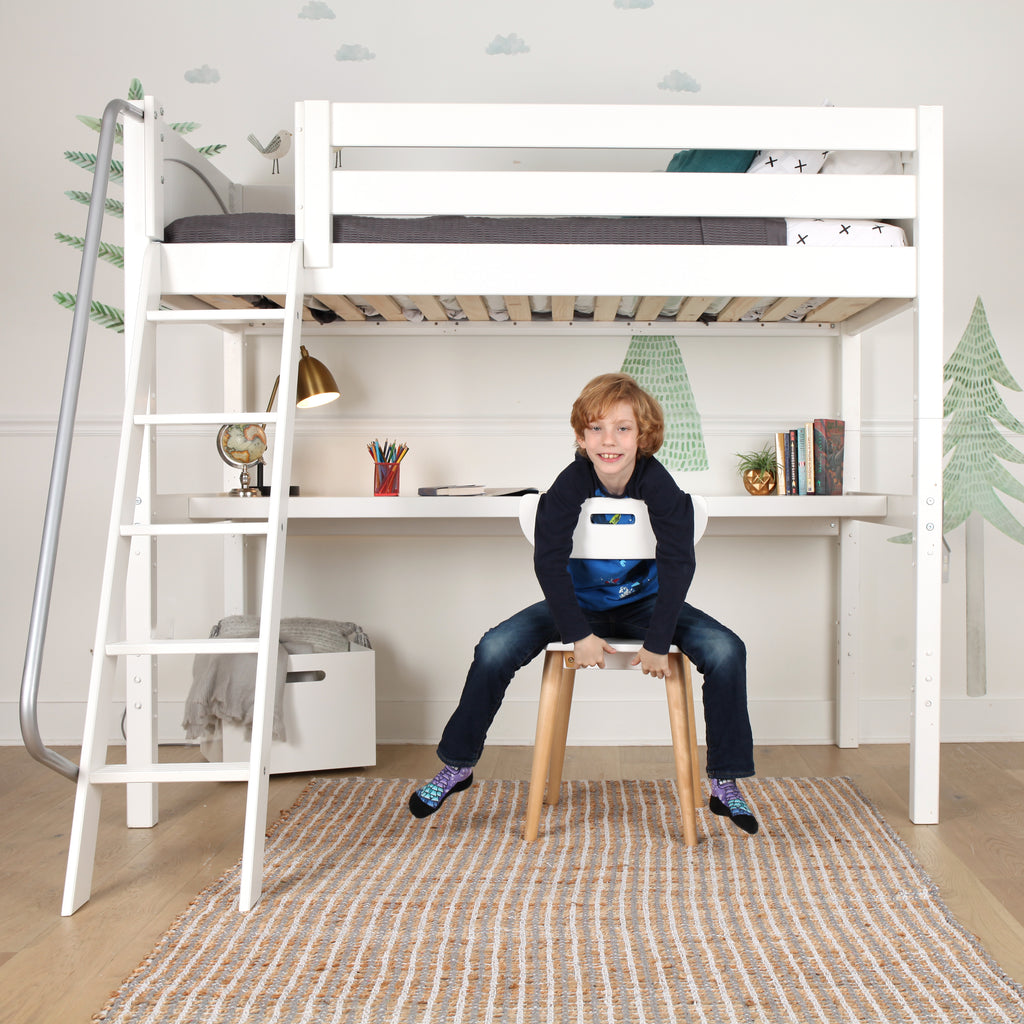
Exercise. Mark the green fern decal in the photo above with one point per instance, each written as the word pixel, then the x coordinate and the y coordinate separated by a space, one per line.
pixel 87 161
pixel 113 206
pixel 100 313
pixel 111 253
pixel 96 124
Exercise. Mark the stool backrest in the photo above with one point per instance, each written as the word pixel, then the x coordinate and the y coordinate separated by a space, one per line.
pixel 603 539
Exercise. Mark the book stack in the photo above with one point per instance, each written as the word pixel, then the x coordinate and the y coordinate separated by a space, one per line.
pixel 809 458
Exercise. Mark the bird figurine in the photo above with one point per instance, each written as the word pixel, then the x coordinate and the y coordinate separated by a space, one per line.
pixel 276 148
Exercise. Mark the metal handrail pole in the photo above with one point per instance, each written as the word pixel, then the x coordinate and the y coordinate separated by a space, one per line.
pixel 62 447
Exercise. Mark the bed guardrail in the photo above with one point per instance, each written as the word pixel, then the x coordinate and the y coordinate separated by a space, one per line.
pixel 62 447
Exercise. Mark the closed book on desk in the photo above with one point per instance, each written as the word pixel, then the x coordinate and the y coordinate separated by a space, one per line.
pixel 829 442
pixel 470 489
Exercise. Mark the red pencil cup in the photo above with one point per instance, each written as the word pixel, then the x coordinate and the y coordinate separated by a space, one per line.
pixel 385 479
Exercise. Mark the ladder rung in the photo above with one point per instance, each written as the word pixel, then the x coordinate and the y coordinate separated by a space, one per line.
pixel 171 419
pixel 220 529
pixel 226 771
pixel 210 645
pixel 214 316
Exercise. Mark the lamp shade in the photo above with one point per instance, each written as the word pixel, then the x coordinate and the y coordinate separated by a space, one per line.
pixel 316 385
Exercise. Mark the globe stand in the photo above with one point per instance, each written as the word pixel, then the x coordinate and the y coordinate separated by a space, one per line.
pixel 244 490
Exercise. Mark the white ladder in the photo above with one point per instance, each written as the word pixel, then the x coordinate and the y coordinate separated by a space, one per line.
pixel 131 475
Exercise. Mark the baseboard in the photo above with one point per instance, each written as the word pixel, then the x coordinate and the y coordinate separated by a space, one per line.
pixel 637 722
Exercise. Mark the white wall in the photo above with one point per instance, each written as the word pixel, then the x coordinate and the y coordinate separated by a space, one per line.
pixel 425 602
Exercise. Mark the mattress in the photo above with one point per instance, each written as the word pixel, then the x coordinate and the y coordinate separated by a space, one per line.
pixel 280 227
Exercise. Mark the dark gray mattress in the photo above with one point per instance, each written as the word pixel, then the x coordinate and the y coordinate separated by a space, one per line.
pixel 280 227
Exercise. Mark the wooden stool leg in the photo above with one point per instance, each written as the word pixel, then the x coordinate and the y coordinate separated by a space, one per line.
pixel 698 797
pixel 547 713
pixel 685 753
pixel 557 759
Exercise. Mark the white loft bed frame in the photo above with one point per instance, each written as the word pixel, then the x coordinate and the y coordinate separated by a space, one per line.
pixel 895 278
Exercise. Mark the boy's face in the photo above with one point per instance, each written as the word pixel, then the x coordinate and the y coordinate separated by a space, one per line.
pixel 610 442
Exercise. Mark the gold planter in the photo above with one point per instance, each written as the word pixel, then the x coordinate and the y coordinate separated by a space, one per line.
pixel 759 481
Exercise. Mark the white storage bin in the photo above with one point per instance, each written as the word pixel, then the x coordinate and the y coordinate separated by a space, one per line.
pixel 329 715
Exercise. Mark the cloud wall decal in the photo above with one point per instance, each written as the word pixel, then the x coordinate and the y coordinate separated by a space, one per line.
pixel 315 10
pixel 508 45
pixel 353 51
pixel 679 81
pixel 203 76
pixel 634 4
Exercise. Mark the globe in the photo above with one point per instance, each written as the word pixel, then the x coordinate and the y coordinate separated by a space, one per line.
pixel 241 444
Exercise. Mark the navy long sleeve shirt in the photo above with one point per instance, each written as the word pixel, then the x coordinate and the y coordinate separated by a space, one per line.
pixel 671 514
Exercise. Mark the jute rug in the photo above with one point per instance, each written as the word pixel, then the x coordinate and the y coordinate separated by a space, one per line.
pixel 369 916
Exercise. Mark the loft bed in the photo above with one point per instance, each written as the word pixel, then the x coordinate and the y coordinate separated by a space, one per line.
pixel 359 271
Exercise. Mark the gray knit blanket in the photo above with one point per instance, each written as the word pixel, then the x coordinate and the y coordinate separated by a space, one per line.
pixel 224 685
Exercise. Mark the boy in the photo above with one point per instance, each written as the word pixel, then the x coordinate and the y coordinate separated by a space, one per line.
pixel 618 428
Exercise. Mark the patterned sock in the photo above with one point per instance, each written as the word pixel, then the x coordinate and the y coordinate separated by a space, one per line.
pixel 726 800
pixel 448 780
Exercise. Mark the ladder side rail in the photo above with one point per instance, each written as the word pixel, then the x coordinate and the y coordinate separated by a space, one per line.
pixel 62 449
pixel 85 821
pixel 270 604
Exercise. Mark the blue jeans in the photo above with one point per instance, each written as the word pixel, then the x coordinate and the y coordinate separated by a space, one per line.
pixel 715 651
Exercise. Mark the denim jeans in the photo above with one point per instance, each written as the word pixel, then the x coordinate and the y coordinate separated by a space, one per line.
pixel 715 651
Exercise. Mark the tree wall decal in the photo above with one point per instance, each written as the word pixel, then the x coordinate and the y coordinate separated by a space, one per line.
pixel 974 473
pixel 656 364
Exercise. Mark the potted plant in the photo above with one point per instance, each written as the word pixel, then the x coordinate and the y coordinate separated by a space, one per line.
pixel 758 469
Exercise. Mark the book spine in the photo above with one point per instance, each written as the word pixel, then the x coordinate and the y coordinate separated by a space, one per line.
pixel 801 460
pixel 809 433
pixel 829 443
pixel 780 462
pixel 791 463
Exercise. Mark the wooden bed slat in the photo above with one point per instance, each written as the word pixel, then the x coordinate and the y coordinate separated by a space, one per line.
pixel 693 306
pixel 518 307
pixel 836 310
pixel 736 308
pixel 781 308
pixel 307 316
pixel 650 306
pixel 563 307
pixel 386 306
pixel 184 302
pixel 474 307
pixel 606 306
pixel 225 301
pixel 431 307
pixel 342 305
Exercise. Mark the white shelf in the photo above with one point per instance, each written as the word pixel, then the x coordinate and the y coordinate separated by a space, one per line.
pixel 479 515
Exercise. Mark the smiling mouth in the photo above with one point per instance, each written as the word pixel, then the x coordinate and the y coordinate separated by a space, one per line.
pixel 609 456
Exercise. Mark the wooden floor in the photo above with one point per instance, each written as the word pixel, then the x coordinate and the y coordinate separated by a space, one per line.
pixel 56 970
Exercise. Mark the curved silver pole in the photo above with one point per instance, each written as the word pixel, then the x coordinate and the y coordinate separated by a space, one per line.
pixel 62 447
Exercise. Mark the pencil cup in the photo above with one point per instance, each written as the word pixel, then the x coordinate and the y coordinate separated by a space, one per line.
pixel 385 479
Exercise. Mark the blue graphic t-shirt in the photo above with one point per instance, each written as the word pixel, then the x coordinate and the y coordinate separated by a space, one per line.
pixel 602 583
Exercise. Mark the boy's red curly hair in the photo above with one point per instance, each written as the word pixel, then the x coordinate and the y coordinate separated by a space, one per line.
pixel 606 390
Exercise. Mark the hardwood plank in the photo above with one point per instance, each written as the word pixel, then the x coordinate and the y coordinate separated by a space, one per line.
pixel 146 877
pixel 431 307
pixel 387 307
pixel 650 306
pixel 693 306
pixel 606 306
pixel 225 302
pixel 563 307
pixel 518 307
pixel 343 306
pixel 474 307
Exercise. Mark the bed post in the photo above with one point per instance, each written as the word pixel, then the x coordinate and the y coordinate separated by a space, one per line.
pixel 928 361
pixel 313 180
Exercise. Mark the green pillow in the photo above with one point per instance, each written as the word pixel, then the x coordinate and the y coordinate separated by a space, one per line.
pixel 720 161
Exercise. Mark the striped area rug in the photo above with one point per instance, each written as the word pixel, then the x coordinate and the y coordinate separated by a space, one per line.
pixel 370 916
